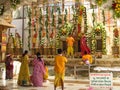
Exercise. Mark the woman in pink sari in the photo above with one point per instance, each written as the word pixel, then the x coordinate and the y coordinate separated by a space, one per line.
pixel 83 45
pixel 38 71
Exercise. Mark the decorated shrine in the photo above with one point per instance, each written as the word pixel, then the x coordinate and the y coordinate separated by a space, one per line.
pixel 44 26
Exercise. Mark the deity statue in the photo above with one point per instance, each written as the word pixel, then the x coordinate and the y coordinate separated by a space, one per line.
pixel 10 44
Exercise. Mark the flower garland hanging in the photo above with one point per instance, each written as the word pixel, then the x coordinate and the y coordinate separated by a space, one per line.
pixel 14 3
pixel 40 28
pixel 116 36
pixel 80 13
pixel 29 25
pixel 100 2
pixel 116 8
pixel 98 30
pixel 1 9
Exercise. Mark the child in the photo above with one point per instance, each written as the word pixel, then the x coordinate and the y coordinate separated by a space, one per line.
pixel 45 77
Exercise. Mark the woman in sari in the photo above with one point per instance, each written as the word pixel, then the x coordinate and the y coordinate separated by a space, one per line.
pixel 38 71
pixel 24 74
pixel 9 66
pixel 83 45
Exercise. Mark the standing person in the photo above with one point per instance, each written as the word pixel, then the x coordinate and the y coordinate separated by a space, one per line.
pixel 70 40
pixel 59 70
pixel 24 74
pixel 83 45
pixel 38 71
pixel 9 66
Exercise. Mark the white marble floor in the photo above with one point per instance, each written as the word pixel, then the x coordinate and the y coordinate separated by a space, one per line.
pixel 70 84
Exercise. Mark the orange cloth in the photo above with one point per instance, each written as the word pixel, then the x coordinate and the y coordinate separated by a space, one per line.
pixel 70 41
pixel 46 73
pixel 60 64
pixel 87 57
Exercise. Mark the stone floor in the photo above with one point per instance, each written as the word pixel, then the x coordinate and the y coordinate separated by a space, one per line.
pixel 70 84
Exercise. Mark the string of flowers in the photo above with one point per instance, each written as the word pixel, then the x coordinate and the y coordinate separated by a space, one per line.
pixel 40 24
pixel 58 28
pixel 29 25
pixel 46 22
pixel 93 15
pixel 116 8
pixel 85 20
pixel 1 9
pixel 103 13
pixel 14 3
pixel 65 16
pixel 100 2
pixel 59 18
pixel 116 37
pixel 80 13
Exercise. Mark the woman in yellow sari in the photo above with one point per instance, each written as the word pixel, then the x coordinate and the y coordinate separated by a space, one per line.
pixel 24 74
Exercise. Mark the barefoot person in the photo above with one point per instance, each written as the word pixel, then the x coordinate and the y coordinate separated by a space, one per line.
pixel 70 40
pixel 59 70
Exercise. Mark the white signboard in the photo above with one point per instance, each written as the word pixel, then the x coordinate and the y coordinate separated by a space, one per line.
pixel 102 80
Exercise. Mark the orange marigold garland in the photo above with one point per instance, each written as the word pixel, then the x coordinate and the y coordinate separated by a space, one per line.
pixel 116 36
pixel 116 8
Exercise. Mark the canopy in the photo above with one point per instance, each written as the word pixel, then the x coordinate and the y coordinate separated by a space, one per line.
pixel 6 24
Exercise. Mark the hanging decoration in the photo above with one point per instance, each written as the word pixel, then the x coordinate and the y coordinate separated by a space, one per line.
pixel 46 22
pixel 59 18
pixel 98 30
pixel 29 25
pixel 116 8
pixel 40 28
pixel 1 9
pixel 14 3
pixel 85 20
pixel 79 18
pixel 103 13
pixel 65 16
pixel 116 36
pixel 100 2
pixel 93 15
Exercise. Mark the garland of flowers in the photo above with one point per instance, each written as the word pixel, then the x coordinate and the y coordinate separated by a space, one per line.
pixel 100 2
pixel 59 18
pixel 29 25
pixel 40 29
pixel 103 13
pixel 116 37
pixel 65 16
pixel 116 8
pixel 14 3
pixel 53 18
pixel 98 29
pixel 74 15
pixel 46 22
pixel 93 15
pixel 80 13
pixel 1 9
pixel 85 20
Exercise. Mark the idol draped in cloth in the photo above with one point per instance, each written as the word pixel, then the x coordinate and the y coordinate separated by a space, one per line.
pixel 83 45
